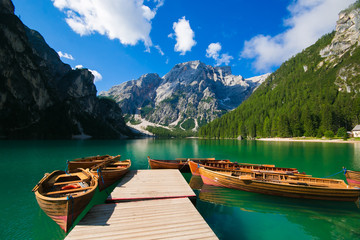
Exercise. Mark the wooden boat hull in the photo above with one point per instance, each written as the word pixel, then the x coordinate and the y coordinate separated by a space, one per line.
pixel 65 210
pixel 88 162
pixel 272 188
pixel 194 167
pixel 182 166
pixel 353 178
pixel 109 175
pixel 180 163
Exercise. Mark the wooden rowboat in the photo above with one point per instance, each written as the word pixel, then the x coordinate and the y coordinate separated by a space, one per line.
pixel 282 185
pixel 353 178
pixel 64 196
pixel 233 166
pixel 179 163
pixel 109 172
pixel 88 162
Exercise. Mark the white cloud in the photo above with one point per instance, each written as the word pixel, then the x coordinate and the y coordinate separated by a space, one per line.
pixel 184 36
pixel 309 20
pixel 97 75
pixel 65 55
pixel 213 51
pixel 224 59
pixel 129 21
pixel 159 49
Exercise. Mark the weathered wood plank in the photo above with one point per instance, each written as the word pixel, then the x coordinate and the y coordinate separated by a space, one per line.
pixel 149 184
pixel 175 218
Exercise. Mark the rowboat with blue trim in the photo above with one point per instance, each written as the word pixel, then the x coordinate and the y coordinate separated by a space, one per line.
pixel 64 196
pixel 179 163
pixel 353 178
pixel 282 184
pixel 234 166
pixel 108 172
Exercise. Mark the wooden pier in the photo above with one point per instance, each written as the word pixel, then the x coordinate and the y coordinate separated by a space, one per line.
pixel 151 204
pixel 151 184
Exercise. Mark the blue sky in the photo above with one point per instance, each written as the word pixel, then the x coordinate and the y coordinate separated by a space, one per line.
pixel 120 40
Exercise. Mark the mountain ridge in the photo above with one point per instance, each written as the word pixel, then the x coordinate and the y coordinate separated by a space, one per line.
pixel 191 92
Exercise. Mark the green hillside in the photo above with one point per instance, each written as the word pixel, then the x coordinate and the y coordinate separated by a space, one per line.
pixel 307 96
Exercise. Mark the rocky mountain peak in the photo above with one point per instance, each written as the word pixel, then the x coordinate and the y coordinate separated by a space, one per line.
pixel 347 34
pixel 189 95
pixel 148 79
pixel 346 40
pixel 223 70
pixel 6 6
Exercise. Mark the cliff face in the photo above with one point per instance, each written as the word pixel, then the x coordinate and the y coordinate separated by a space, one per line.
pixel 40 96
pixel 191 92
pixel 347 35
pixel 345 41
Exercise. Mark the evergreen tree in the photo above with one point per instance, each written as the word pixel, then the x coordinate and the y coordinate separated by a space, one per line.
pixel 267 127
pixel 283 126
pixel 309 127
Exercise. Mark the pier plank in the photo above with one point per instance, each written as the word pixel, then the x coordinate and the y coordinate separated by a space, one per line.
pixel 151 184
pixel 174 218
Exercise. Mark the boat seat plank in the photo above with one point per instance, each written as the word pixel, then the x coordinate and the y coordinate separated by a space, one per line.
pixel 113 168
pixel 67 191
pixel 64 183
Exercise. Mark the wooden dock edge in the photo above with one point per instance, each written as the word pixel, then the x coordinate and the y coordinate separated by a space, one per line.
pixel 192 198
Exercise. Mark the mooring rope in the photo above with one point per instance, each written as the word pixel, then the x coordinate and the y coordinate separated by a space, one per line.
pixel 184 164
pixel 343 170
pixel 99 173
pixel 67 167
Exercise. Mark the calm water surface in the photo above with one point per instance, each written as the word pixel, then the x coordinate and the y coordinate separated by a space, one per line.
pixel 231 214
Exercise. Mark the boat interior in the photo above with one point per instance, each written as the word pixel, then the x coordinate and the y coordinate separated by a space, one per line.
pixel 62 184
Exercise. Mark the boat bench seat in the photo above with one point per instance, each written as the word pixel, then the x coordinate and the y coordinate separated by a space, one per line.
pixel 67 191
pixel 64 183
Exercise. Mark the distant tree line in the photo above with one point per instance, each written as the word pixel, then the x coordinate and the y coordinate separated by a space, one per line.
pixel 166 133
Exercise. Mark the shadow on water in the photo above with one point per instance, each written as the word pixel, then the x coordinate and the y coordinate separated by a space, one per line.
pixel 51 230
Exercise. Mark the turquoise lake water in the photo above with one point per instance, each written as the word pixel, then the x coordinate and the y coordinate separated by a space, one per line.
pixel 230 213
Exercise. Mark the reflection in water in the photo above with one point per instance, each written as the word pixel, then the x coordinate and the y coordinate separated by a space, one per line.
pixel 356 158
pixel 196 183
pixel 333 219
pixel 272 204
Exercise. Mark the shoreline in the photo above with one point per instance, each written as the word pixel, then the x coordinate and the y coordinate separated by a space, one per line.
pixel 307 140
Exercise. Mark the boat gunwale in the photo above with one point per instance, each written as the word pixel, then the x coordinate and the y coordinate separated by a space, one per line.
pixel 91 158
pixel 181 161
pixel 104 170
